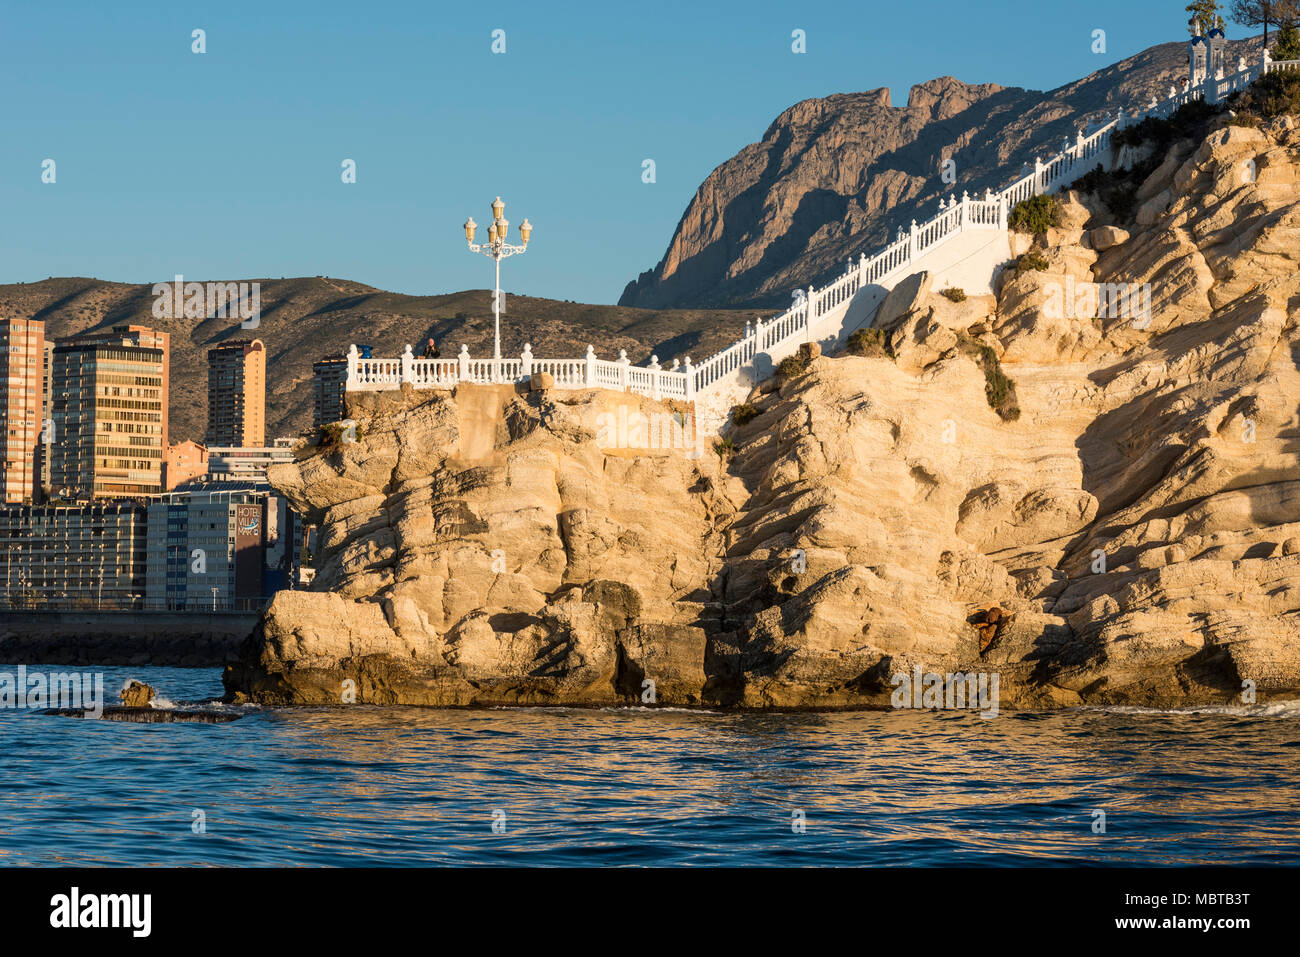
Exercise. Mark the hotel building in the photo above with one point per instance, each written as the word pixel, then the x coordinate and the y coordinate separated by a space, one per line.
pixel 219 546
pixel 109 406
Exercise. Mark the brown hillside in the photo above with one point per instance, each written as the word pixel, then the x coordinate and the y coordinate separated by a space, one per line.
pixel 303 319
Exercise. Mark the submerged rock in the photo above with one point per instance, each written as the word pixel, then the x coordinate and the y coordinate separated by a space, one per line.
pixel 150 715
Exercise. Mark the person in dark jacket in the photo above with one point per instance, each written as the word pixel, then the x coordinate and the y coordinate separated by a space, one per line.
pixel 431 350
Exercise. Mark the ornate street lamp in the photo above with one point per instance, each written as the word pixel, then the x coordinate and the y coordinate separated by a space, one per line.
pixel 497 249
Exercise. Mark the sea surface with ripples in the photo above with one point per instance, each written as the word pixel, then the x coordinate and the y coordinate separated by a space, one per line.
pixel 366 785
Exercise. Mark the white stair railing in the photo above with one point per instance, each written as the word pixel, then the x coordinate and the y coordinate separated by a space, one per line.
pixel 891 264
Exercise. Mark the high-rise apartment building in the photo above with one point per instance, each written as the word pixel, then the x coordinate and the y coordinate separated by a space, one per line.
pixel 22 353
pixel 329 386
pixel 109 405
pixel 237 394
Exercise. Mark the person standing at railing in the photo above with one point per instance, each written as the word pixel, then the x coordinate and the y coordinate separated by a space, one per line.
pixel 430 349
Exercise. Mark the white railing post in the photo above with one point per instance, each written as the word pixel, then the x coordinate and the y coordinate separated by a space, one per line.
pixel 462 369
pixel 1038 176
pixel 623 363
pixel 1002 213
pixel 655 392
pixel 862 271
pixel 526 360
pixel 911 244
pixel 809 314
pixel 353 378
pixel 758 334
pixel 408 365
pixel 965 210
pixel 589 379
pixel 690 380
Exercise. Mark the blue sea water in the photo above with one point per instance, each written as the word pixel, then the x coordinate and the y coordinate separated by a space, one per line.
pixel 415 786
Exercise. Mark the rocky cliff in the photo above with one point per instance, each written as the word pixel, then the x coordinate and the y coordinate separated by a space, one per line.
pixel 833 178
pixel 1127 531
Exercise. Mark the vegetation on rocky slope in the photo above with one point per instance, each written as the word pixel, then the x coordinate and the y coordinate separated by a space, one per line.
pixel 1035 215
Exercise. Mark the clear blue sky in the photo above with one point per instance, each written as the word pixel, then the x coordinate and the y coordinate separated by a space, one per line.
pixel 226 165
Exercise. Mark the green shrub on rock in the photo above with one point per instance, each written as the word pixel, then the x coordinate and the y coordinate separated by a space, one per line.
pixel 872 343
pixel 792 367
pixel 1032 260
pixel 743 413
pixel 1035 215
pixel 1272 95
pixel 999 389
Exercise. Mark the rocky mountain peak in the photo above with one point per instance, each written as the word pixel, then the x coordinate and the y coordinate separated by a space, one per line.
pixel 834 177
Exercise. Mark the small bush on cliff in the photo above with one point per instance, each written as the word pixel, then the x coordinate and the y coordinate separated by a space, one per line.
pixel 953 294
pixel 1034 260
pixel 999 390
pixel 1035 215
pixel 1189 121
pixel 791 367
pixel 1117 189
pixel 332 436
pixel 1274 94
pixel 725 448
pixel 743 414
pixel 1093 181
pixel 872 343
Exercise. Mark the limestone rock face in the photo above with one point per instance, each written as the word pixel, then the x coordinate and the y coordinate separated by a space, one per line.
pixel 482 548
pixel 1133 537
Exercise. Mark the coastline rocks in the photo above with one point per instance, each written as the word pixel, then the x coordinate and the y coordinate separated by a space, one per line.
pixel 137 694
pixel 1132 538
pixel 490 547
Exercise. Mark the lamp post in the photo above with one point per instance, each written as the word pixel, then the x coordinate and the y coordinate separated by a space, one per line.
pixel 497 249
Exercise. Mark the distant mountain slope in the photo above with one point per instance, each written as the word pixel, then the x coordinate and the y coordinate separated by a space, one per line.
pixel 835 177
pixel 303 319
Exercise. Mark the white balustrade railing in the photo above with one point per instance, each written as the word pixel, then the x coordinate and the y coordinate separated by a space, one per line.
pixel 896 260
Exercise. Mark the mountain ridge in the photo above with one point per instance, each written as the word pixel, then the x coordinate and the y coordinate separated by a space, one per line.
pixel 833 176
pixel 305 318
